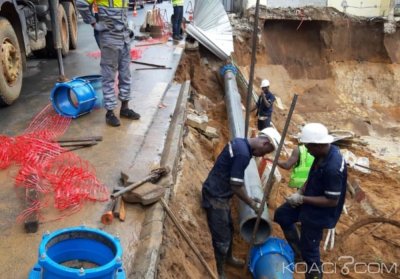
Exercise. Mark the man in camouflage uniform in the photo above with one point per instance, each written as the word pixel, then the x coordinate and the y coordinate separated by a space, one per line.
pixel 115 37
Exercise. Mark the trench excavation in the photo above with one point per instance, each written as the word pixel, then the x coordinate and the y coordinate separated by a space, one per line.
pixel 346 78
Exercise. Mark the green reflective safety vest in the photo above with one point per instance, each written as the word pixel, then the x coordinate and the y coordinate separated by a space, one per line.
pixel 300 172
pixel 178 2
pixel 110 3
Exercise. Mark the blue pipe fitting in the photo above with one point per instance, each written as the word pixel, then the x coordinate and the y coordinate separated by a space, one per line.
pixel 273 259
pixel 79 252
pixel 73 98
pixel 228 67
pixel 96 82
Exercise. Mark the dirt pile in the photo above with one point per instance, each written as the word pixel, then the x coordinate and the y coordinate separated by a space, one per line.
pixel 345 81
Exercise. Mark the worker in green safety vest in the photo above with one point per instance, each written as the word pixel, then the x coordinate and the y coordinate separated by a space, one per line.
pixel 177 19
pixel 302 160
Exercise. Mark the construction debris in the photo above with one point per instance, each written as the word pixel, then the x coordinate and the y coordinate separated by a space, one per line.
pixel 197 121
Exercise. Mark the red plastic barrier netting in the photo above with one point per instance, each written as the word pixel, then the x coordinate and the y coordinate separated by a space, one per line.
pixel 49 168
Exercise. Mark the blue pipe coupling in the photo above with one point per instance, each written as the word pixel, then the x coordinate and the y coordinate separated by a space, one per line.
pixel 79 252
pixel 228 67
pixel 273 259
pixel 73 98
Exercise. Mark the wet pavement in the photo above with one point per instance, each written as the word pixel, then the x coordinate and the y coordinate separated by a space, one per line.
pixel 118 150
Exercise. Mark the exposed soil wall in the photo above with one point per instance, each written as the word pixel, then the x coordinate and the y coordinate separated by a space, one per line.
pixel 344 80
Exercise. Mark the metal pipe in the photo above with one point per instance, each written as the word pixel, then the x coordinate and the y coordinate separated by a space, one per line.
pixel 252 183
pixel 268 187
pixel 252 65
pixel 55 27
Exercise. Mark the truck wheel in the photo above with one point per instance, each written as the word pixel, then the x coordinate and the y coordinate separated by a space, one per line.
pixel 63 21
pixel 72 24
pixel 11 64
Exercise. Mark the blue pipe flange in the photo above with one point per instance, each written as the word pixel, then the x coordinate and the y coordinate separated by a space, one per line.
pixel 229 67
pixel 273 259
pixel 73 98
pixel 79 252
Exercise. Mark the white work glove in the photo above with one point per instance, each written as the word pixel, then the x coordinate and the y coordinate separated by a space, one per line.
pixel 295 199
pixel 255 205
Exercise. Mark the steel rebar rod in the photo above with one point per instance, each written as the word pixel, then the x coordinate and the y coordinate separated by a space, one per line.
pixel 252 66
pixel 269 181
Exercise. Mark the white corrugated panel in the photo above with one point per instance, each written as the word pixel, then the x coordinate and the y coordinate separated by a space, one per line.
pixel 210 16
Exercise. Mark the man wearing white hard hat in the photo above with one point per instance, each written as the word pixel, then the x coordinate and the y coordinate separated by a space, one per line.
pixel 319 203
pixel 265 105
pixel 226 179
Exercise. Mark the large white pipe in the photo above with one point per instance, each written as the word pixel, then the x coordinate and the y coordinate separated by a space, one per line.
pixel 252 182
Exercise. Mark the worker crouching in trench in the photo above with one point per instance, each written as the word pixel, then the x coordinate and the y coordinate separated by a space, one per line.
pixel 226 179
pixel 319 203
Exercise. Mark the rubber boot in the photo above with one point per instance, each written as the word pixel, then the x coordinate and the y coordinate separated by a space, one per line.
pixel 292 238
pixel 220 261
pixel 232 261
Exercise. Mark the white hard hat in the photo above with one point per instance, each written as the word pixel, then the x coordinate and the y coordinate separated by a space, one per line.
pixel 273 136
pixel 264 83
pixel 315 133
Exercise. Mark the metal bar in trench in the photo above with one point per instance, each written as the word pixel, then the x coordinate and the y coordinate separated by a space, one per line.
pixel 252 66
pixel 268 187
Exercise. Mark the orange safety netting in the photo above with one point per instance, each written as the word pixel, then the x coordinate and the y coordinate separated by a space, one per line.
pixel 48 168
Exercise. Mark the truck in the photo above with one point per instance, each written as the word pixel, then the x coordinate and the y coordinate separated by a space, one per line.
pixel 26 29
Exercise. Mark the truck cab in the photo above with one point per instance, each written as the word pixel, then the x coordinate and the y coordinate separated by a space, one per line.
pixel 26 30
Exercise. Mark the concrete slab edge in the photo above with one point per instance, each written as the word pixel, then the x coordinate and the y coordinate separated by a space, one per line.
pixel 147 254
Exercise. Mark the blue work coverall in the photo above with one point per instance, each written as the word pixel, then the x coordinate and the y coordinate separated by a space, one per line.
pixel 264 113
pixel 328 179
pixel 216 194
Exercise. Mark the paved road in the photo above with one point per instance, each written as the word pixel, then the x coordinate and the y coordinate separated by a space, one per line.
pixel 117 151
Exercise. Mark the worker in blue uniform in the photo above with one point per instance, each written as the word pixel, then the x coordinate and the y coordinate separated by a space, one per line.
pixel 226 179
pixel 114 40
pixel 319 203
pixel 265 106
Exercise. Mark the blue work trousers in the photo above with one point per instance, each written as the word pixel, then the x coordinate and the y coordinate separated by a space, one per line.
pixel 176 25
pixel 310 237
pixel 221 227
pixel 264 123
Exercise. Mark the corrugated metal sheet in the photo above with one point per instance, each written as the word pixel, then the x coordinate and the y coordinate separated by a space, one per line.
pixel 212 28
pixel 228 5
pixel 296 3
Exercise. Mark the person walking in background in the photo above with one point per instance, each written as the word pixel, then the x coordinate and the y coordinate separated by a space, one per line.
pixel 319 203
pixel 177 19
pixel 265 106
pixel 224 180
pixel 115 38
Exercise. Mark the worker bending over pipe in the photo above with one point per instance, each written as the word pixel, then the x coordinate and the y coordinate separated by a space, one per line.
pixel 225 179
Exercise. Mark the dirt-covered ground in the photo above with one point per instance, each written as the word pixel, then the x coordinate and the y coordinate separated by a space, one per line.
pixel 346 80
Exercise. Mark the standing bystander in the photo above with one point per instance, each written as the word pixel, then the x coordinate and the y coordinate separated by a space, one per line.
pixel 177 19
pixel 114 37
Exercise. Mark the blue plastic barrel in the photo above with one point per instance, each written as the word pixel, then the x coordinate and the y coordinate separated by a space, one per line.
pixel 272 260
pixel 73 98
pixel 96 82
pixel 79 252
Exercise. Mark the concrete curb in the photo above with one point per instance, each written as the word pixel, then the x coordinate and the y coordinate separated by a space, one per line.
pixel 147 253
